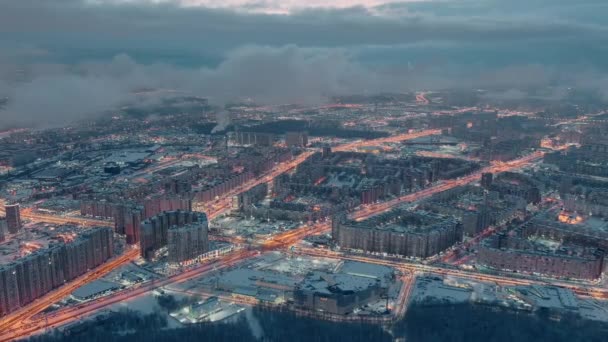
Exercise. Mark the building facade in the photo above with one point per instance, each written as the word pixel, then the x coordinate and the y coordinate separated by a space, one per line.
pixel 155 230
pixel 3 229
pixel 514 254
pixel 187 242
pixel 420 234
pixel 34 275
pixel 13 218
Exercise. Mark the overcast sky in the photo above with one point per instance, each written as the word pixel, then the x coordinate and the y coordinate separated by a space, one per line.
pixel 64 59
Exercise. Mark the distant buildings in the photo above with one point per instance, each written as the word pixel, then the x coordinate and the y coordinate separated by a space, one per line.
pixel 13 218
pixel 128 215
pixel 569 229
pixel 257 160
pixel 152 206
pixel 502 138
pixel 414 234
pixel 211 191
pixel 476 208
pixel 254 138
pixel 486 180
pixel 589 159
pixel 522 255
pixel 177 186
pixel 3 229
pixel 189 242
pixel 337 293
pixel 591 203
pixel 249 197
pixel 297 139
pixel 552 243
pixel 516 184
pixel 34 275
pixel 326 152
pixel 156 205
pixel 332 182
pixel 585 195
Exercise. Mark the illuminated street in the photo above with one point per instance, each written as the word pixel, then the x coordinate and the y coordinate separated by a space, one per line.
pixel 23 323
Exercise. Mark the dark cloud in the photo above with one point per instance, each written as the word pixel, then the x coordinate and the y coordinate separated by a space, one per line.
pixel 66 22
pixel 56 94
pixel 288 74
pixel 57 58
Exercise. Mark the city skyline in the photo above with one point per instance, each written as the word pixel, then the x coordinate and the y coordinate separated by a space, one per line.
pixel 347 170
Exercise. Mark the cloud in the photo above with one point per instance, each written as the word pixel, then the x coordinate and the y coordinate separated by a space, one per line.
pixel 54 96
pixel 263 6
pixel 289 75
pixel 475 33
pixel 120 25
pixel 66 59
pixel 57 95
pixel 56 100
pixel 507 95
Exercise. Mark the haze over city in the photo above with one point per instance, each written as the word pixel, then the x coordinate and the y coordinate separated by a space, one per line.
pixel 103 50
pixel 349 170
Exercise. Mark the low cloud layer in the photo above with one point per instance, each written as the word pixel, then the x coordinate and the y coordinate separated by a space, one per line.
pixel 52 94
pixel 55 94
pixel 64 60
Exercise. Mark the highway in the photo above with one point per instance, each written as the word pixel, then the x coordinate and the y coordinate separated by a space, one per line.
pixel 408 280
pixel 392 139
pixel 289 238
pixel 168 162
pixel 22 323
pixel 377 208
pixel 216 208
pixel 444 156
pixel 582 290
pixel 222 205
pixel 411 267
pixel 421 98
pixel 22 315
pixel 29 214
pixel 16 327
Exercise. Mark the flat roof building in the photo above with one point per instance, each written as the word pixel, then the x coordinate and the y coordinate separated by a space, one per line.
pixel 522 255
pixel 416 234
pixel 337 293
pixel 94 289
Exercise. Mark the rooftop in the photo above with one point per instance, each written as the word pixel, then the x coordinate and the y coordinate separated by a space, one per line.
pixel 324 283
pixel 404 221
pixel 94 288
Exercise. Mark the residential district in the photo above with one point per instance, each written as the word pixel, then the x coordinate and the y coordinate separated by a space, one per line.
pixel 351 211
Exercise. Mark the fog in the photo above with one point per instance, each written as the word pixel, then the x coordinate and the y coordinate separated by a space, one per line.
pixel 72 59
